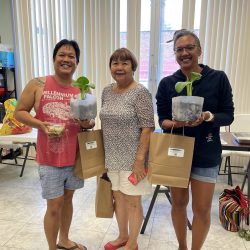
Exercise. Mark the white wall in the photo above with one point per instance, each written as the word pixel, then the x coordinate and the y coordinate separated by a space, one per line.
pixel 6 22
pixel 6 32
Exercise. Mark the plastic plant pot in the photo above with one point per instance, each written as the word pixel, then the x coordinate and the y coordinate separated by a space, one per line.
pixel 187 108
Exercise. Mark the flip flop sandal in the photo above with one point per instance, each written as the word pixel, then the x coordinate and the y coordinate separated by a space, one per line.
pixel 70 248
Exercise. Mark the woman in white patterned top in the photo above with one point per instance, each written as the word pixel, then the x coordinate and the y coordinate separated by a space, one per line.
pixel 127 118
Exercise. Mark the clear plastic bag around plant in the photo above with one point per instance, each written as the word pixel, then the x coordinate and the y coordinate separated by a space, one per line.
pixel 84 109
pixel 187 108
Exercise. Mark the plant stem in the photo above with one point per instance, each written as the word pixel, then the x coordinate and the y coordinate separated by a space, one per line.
pixel 189 89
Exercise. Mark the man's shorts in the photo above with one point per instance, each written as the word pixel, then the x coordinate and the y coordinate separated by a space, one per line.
pixel 55 179
pixel 205 174
pixel 120 182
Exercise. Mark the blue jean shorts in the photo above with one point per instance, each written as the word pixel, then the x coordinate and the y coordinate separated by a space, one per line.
pixel 55 179
pixel 205 174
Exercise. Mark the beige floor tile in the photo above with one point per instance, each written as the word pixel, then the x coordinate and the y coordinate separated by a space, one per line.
pixel 22 211
pixel 31 236
pixel 8 229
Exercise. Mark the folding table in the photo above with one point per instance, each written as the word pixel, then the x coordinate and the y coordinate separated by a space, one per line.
pixel 15 141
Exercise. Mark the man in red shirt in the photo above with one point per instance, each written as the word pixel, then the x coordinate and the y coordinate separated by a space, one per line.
pixel 57 140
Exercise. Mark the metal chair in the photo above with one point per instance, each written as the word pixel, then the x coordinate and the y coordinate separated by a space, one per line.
pixel 240 124
pixel 158 190
pixel 227 166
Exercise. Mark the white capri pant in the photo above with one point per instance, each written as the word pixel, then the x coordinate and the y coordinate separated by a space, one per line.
pixel 120 182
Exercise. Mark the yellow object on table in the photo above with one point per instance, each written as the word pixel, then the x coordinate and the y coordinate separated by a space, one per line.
pixel 10 125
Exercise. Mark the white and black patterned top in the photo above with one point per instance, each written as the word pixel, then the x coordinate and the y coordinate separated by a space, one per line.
pixel 122 116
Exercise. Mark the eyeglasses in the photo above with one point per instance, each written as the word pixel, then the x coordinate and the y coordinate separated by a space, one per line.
pixel 188 48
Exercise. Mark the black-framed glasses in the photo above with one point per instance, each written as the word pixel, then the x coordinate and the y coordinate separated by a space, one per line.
pixel 188 48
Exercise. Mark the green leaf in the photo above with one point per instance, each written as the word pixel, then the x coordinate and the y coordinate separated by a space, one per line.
pixel 83 80
pixel 195 76
pixel 92 85
pixel 179 86
pixel 77 84
pixel 84 85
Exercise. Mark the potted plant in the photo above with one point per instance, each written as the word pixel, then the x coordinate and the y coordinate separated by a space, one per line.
pixel 84 106
pixel 187 108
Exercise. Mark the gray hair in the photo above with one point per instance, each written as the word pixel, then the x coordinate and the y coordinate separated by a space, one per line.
pixel 185 32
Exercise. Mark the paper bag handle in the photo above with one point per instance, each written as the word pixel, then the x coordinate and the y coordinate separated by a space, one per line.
pixel 171 132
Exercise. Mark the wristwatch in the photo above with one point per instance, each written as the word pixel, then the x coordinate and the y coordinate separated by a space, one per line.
pixel 210 118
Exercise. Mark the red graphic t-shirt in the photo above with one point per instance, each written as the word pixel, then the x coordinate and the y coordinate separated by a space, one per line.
pixel 54 107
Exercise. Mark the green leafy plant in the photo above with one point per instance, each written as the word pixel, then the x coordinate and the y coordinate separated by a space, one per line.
pixel 179 86
pixel 84 85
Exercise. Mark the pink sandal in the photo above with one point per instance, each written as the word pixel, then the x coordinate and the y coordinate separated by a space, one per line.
pixel 109 246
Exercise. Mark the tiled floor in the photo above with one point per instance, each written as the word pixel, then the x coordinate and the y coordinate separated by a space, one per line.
pixel 22 210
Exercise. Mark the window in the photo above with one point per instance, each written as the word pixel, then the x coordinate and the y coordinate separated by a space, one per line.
pixel 123 23
pixel 170 21
pixel 159 20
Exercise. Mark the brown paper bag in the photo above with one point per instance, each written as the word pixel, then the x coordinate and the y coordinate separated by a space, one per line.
pixel 90 160
pixel 104 205
pixel 170 159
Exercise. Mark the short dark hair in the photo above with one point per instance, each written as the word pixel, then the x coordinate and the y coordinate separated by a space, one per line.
pixel 72 43
pixel 124 54
pixel 185 32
